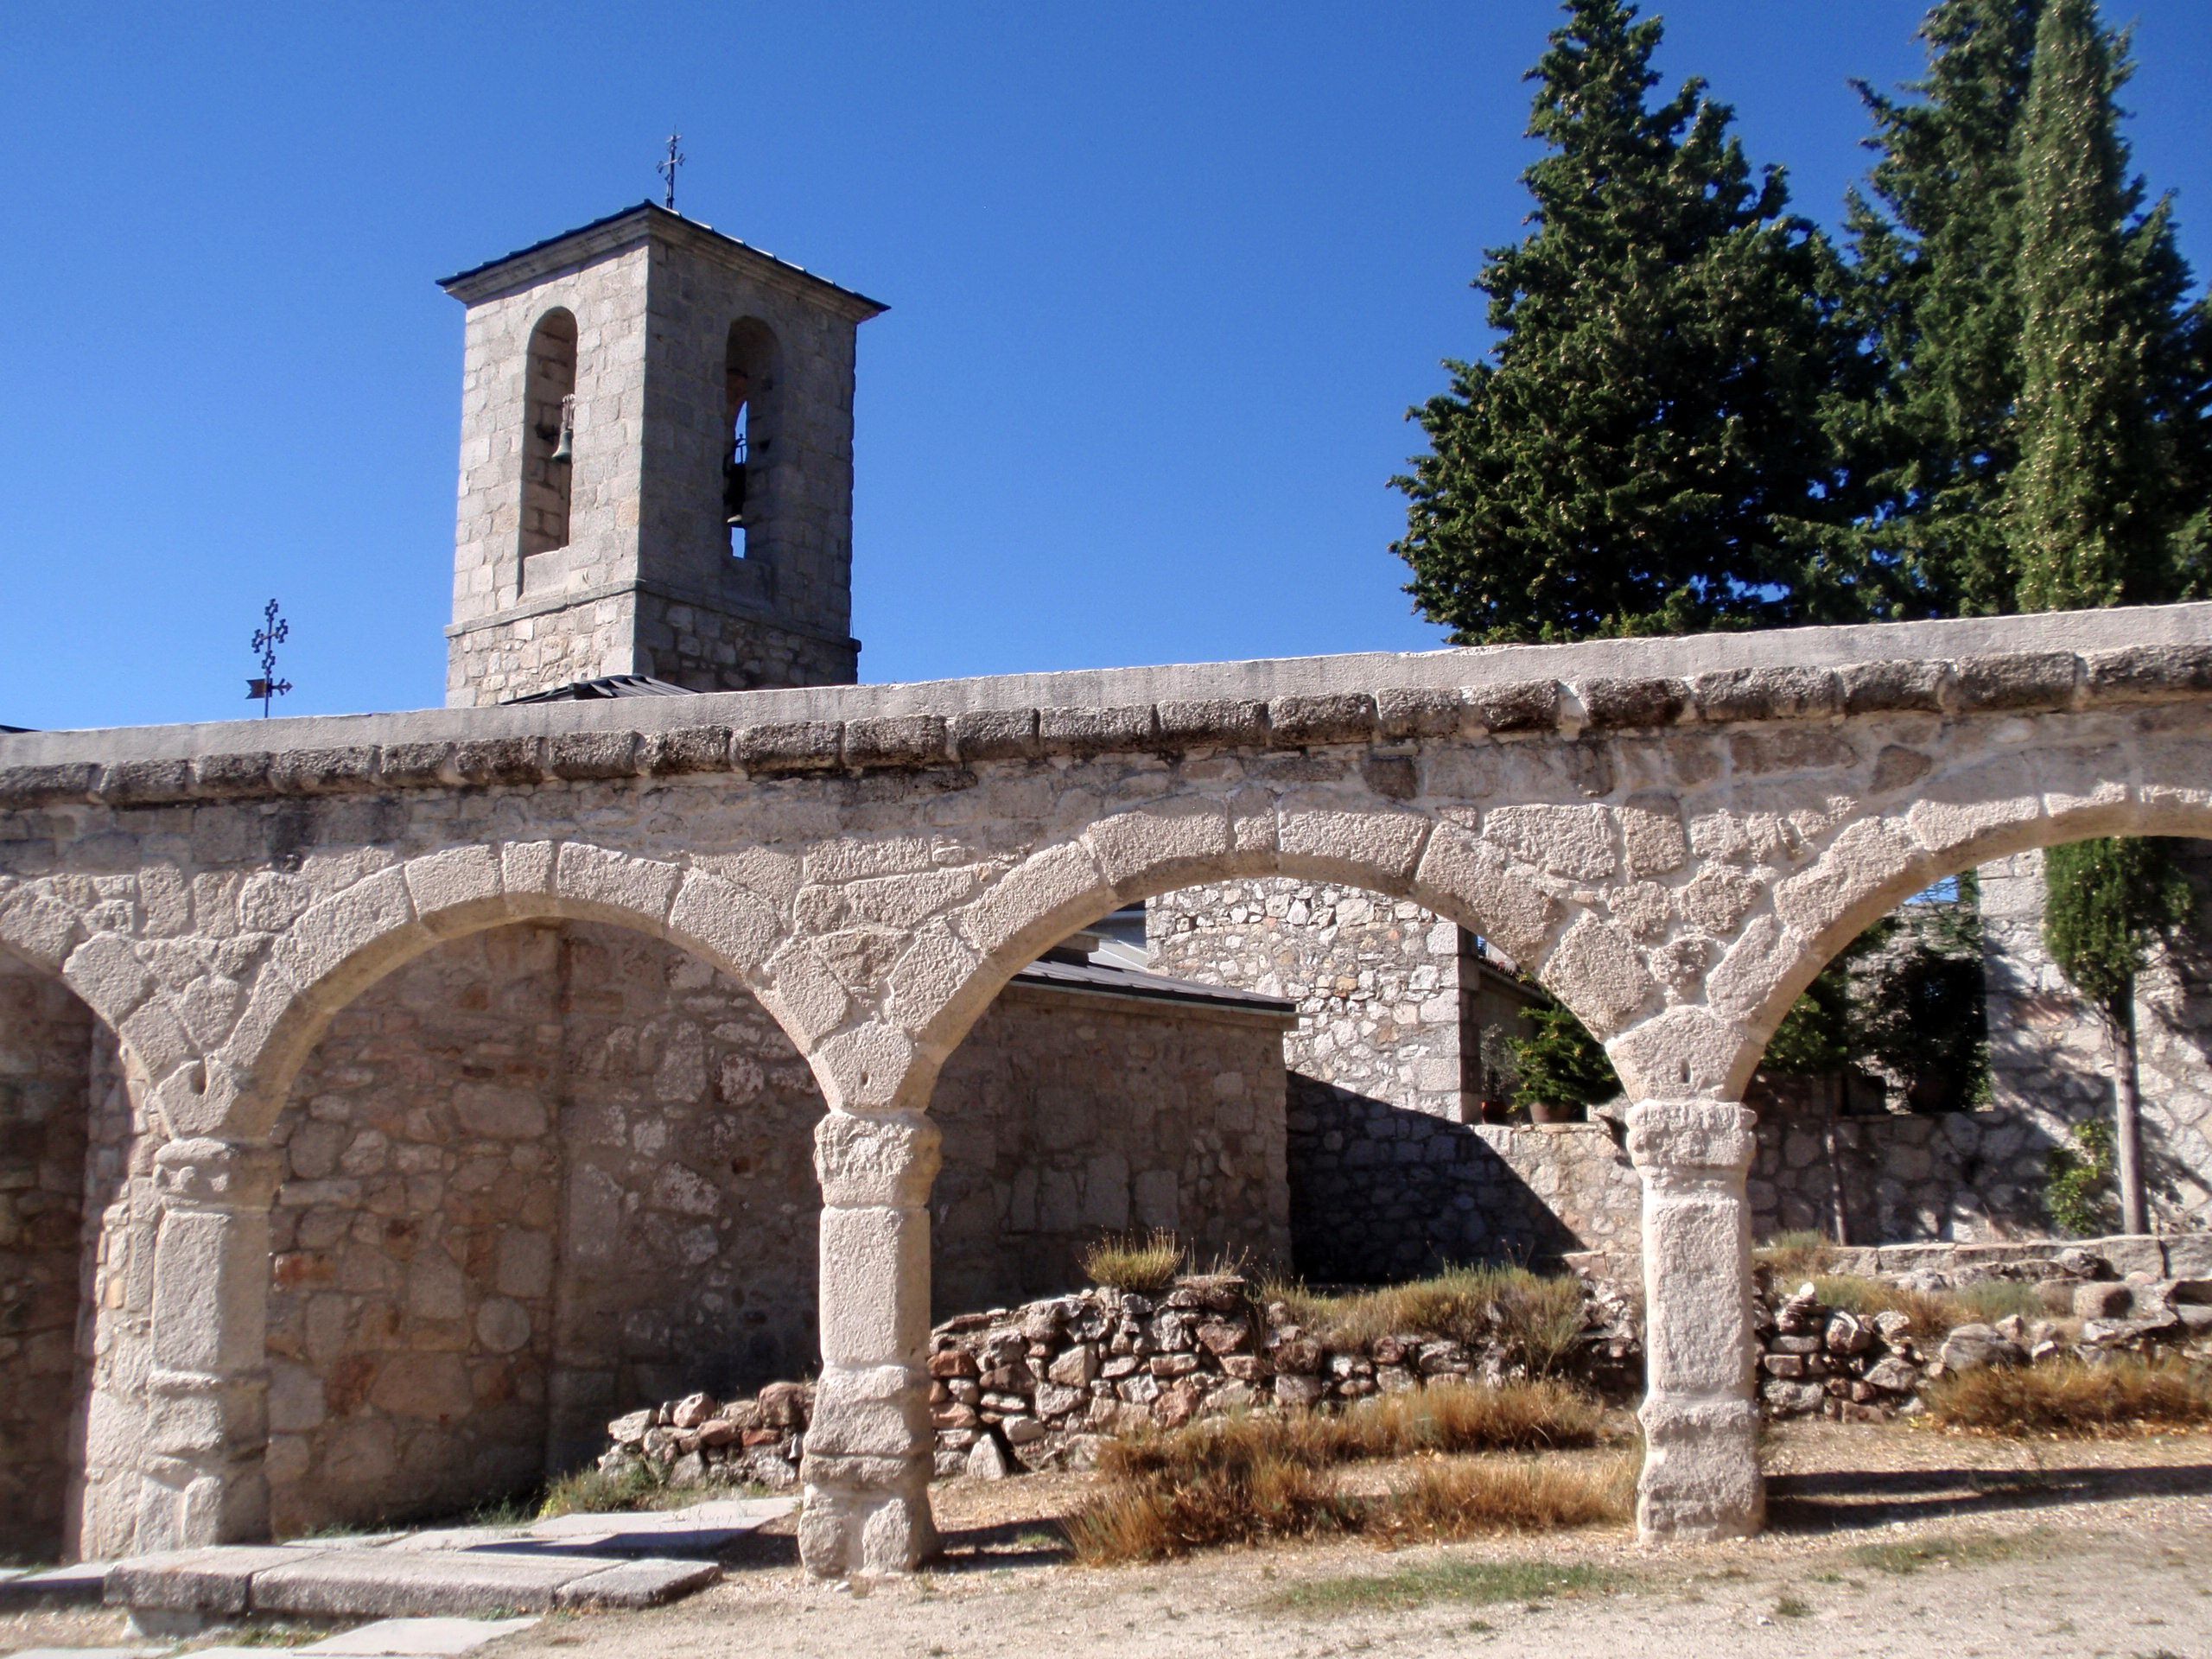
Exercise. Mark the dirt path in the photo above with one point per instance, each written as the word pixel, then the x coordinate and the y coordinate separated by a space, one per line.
pixel 1886 1542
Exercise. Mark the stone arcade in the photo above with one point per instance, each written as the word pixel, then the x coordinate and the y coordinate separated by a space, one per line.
pixel 1673 835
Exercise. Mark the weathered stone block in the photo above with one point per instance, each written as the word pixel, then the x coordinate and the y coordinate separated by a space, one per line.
pixel 1612 704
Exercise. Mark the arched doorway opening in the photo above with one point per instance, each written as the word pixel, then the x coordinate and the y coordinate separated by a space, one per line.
pixel 539 1176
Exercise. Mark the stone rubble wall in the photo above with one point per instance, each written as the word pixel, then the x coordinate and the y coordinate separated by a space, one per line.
pixel 1042 1386
pixel 1820 1360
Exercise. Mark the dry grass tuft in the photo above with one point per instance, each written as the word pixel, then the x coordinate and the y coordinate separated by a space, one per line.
pixel 1796 1257
pixel 1537 1320
pixel 1472 1498
pixel 1539 1416
pixel 1237 1480
pixel 1144 1263
pixel 2067 1398
pixel 1232 1503
pixel 589 1492
pixel 1933 1312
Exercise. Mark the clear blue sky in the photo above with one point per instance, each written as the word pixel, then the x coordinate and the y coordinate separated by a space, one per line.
pixel 1164 281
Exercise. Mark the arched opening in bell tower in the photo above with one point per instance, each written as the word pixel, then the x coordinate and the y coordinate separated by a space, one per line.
pixel 549 434
pixel 751 369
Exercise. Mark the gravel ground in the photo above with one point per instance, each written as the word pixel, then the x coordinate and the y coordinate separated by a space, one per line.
pixel 1885 1540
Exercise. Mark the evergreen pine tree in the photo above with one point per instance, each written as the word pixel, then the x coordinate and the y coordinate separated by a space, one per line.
pixel 1645 450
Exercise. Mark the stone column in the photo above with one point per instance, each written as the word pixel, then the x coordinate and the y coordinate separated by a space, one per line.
pixel 207 1424
pixel 1700 1422
pixel 867 1458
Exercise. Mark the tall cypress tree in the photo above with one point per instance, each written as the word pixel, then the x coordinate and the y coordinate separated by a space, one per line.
pixel 1645 450
pixel 1938 290
pixel 2093 509
pixel 1935 239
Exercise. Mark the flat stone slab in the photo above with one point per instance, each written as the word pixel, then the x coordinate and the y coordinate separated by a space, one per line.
pixel 636 1583
pixel 701 1530
pixel 78 1585
pixel 468 1583
pixel 418 1638
pixel 212 1580
pixel 109 1653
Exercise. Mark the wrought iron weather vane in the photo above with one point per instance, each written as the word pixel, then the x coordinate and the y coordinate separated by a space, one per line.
pixel 667 169
pixel 273 632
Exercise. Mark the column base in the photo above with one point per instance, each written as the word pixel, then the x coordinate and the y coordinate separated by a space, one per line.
pixel 866 1521
pixel 1701 1479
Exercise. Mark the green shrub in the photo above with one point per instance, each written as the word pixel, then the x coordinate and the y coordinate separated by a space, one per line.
pixel 2080 1196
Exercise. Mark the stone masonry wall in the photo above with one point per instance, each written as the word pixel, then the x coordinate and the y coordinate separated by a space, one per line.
pixel 1907 1178
pixel 536 1171
pixel 689 1235
pixel 2048 1058
pixel 45 1051
pixel 1066 1116
pixel 409 1324
pixel 1389 1176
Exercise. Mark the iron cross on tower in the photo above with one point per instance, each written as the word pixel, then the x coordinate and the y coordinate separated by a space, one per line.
pixel 667 169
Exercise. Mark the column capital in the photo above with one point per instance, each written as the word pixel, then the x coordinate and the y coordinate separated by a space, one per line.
pixel 867 1161
pixel 1691 1135
pixel 210 1174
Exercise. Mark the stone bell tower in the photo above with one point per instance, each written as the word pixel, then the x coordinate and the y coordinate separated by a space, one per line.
pixel 656 466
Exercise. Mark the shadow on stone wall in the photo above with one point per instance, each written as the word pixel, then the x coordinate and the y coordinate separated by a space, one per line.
pixel 1906 1178
pixel 1379 1193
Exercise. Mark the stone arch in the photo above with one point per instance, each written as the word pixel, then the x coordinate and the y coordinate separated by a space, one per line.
pixel 1875 863
pixel 957 965
pixel 752 377
pixel 343 944
pixel 67 1088
pixel 549 427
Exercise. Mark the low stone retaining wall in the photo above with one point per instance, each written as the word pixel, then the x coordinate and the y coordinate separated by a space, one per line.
pixel 1042 1386
pixel 1820 1360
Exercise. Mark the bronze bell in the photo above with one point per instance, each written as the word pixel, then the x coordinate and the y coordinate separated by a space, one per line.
pixel 565 450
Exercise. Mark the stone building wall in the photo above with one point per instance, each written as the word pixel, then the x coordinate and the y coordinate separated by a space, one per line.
pixel 536 1172
pixel 46 1048
pixel 2048 1058
pixel 689 1235
pixel 1067 1115
pixel 1389 1175
pixel 412 1240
